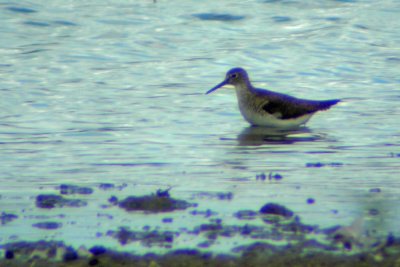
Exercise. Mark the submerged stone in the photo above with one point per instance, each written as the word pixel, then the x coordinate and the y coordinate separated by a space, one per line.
pixel 167 220
pixel 113 200
pixel 67 189
pixel 49 201
pixel 246 214
pixel 147 237
pixel 9 254
pixel 225 196
pixel 70 255
pixel 163 193
pixel 153 203
pixel 47 225
pixel 7 217
pixel 310 200
pixel 106 186
pixel 97 250
pixel 275 176
pixel 261 176
pixel 93 262
pixel 315 165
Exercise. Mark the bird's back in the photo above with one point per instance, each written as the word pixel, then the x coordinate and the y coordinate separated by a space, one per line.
pixel 290 107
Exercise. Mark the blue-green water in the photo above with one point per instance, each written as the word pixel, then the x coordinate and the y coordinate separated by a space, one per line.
pixel 113 91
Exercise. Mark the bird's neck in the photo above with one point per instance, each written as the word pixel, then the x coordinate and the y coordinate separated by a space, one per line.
pixel 244 93
pixel 244 87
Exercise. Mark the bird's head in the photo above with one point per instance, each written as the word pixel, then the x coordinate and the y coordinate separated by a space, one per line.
pixel 233 77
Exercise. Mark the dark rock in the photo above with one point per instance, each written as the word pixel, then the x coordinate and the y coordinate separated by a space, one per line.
pixel 225 196
pixel 163 193
pixel 391 240
pixel 153 203
pixel 106 186
pixel 167 220
pixel 347 245
pixel 113 200
pixel 49 201
pixel 70 255
pixel 276 209
pixel 315 165
pixel 93 262
pixel 169 237
pixel 310 201
pixel 97 250
pixel 261 176
pixel 246 230
pixel 276 176
pixel 9 255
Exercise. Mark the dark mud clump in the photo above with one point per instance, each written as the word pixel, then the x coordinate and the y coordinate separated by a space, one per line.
pixel 276 209
pixel 147 238
pixel 310 201
pixel 205 213
pixel 320 164
pixel 49 201
pixel 106 186
pixel 246 214
pixel 46 251
pixel 67 189
pixel 271 176
pixel 7 217
pixel 160 202
pixel 47 225
pixel 308 253
pixel 97 250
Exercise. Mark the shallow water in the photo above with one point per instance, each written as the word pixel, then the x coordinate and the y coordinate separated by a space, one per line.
pixel 113 92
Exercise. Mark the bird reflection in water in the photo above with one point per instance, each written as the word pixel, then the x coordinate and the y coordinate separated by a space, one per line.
pixel 257 135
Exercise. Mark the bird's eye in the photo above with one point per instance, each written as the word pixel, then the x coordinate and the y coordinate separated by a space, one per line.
pixel 234 75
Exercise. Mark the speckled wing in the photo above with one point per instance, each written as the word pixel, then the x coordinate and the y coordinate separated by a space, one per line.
pixel 287 107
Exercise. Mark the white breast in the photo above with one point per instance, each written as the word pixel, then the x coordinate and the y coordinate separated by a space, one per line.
pixel 268 120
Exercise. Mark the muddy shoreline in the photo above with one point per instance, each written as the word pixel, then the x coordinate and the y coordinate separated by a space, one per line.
pixel 281 240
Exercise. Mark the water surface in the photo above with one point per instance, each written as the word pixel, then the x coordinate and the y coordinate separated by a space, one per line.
pixel 113 92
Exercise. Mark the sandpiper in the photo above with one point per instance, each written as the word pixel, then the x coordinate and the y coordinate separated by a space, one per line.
pixel 262 107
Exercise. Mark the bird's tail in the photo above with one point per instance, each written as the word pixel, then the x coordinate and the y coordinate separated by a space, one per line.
pixel 326 104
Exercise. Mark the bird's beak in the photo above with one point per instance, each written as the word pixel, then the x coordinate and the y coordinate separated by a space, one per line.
pixel 225 82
